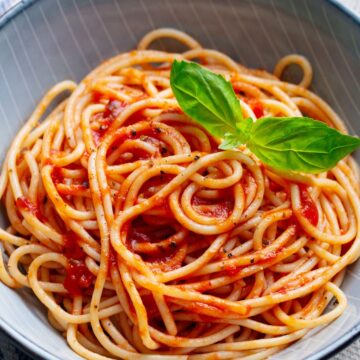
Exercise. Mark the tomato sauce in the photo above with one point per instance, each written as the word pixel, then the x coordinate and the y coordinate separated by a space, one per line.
pixel 274 187
pixel 232 270
pixel 72 249
pixel 135 117
pixel 308 210
pixel 199 307
pixel 308 207
pixel 140 232
pixel 112 257
pixel 23 203
pixel 164 256
pixel 256 107
pixel 156 182
pixel 99 97
pixel 148 136
pixel 78 277
pixel 56 175
pixel 269 256
pixel 150 306
pixel 206 318
pixel 112 260
pixel 293 221
pixel 140 154
pixel 247 180
pixel 114 108
pixel 213 208
pixel 73 189
pixel 282 290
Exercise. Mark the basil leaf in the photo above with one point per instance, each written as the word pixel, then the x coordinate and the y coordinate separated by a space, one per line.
pixel 207 98
pixel 299 144
pixel 230 141
pixel 296 144
pixel 235 139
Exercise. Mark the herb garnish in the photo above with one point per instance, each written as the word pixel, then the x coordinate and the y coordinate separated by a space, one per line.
pixel 285 143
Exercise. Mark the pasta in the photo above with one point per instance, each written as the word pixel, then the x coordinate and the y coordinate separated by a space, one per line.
pixel 144 241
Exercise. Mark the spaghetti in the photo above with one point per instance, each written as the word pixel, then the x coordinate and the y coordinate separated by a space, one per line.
pixel 144 241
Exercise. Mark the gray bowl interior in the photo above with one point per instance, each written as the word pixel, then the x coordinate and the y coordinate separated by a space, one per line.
pixel 54 40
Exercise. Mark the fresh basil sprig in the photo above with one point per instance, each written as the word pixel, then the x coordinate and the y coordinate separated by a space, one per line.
pixel 286 143
pixel 210 100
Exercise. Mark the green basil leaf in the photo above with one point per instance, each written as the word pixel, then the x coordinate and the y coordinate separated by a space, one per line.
pixel 244 126
pixel 299 144
pixel 230 141
pixel 207 98
pixel 295 144
pixel 235 139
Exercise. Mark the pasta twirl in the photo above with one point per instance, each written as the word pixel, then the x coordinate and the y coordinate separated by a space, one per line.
pixel 144 241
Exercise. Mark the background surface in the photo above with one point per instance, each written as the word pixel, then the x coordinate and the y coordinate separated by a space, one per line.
pixel 9 349
pixel 353 351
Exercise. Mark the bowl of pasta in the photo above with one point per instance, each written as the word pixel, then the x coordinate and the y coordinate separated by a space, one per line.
pixel 179 179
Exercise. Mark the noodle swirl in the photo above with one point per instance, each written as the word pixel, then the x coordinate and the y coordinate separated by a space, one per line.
pixel 144 241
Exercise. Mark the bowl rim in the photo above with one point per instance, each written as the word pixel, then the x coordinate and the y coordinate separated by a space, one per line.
pixel 30 348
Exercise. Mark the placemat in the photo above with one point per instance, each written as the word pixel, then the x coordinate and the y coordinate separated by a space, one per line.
pixel 10 350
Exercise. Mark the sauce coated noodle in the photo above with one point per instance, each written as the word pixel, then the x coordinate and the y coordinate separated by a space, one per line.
pixel 143 240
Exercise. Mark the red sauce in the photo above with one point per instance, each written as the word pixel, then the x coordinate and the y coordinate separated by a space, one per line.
pixel 135 117
pixel 112 257
pixel 247 180
pixel 96 137
pixel 150 306
pixel 215 309
pixel 221 210
pixel 105 119
pixel 211 208
pixel 282 290
pixel 293 221
pixel 56 175
pixel 256 107
pixel 258 110
pixel 206 318
pixel 298 281
pixel 274 187
pixel 199 307
pixel 308 207
pixel 78 277
pixel 58 153
pixel 232 270
pixel 114 108
pixel 165 262
pixel 72 249
pixel 155 182
pixel 140 154
pixel 308 210
pixel 165 256
pixel 73 189
pixel 345 247
pixel 140 232
pixel 269 256
pixel 104 124
pixel 23 203
pixel 98 97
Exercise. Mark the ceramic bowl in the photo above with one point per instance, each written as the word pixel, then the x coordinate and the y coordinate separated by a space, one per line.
pixel 43 42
